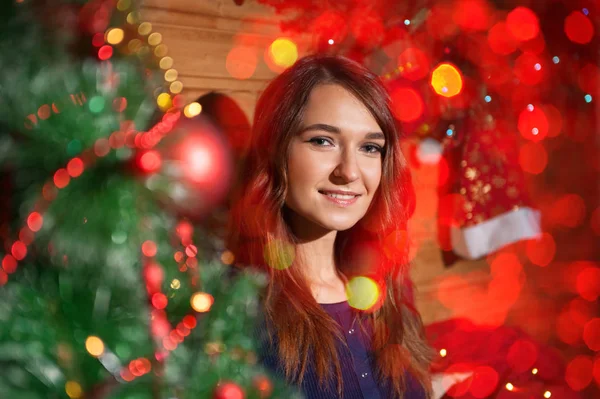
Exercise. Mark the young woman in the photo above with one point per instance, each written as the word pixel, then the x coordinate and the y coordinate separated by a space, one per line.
pixel 324 198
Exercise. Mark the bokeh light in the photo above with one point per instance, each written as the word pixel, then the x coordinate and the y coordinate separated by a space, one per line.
pixel 522 355
pixel 101 147
pixel 227 257
pixel 165 63
pixel 201 302
pixel 579 372
pixel 159 300
pixel 149 248
pixel 541 251
pixel 164 101
pixel 407 104
pixel 123 5
pixel 484 382
pixel 533 123
pixel 523 23
pixel 161 50
pixel 283 52
pixel 35 221
pixel 144 28
pixel 9 264
pixel 413 63
pixel 362 292
pixel 396 246
pixel 501 41
pixel 278 254
pixel 73 389
pixel 587 283
pixel 44 112
pixel 568 329
pixel 578 28
pixel 591 334
pixel 472 15
pixel 554 119
pixel 529 68
pixel 115 36
pixel 154 39
pixel 537 45
pixel 589 78
pixel 533 158
pixel 189 321
pixel 97 104
pixel 446 80
pixel 150 161
pixel 241 62
pixel 75 167
pixel 105 52
pixel 568 210
pixel 192 110
pixel 61 178
pixel 94 346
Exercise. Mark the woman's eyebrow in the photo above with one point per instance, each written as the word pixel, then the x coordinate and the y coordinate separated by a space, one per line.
pixel 333 129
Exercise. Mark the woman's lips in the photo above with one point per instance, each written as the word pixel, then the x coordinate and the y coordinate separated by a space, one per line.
pixel 343 202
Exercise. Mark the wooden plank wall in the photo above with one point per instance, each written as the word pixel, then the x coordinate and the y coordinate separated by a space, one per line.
pixel 199 35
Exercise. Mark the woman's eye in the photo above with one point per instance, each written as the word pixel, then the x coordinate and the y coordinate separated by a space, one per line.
pixel 373 149
pixel 319 141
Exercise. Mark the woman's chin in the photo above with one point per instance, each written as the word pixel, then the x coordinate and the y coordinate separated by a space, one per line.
pixel 338 225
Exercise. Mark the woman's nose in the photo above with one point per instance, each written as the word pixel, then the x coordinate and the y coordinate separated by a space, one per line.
pixel 347 167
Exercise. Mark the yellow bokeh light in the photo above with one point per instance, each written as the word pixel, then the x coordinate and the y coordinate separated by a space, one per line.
pixel 284 52
pixel 176 87
pixel 123 5
pixel 192 109
pixel 278 254
pixel 443 352
pixel 510 386
pixel 171 75
pixel 534 371
pixel 115 36
pixel 547 394
pixel 227 257
pixel 94 346
pixel 154 39
pixel 446 80
pixel 145 28
pixel 201 302
pixel 134 45
pixel 175 284
pixel 133 17
pixel 362 292
pixel 164 101
pixel 73 389
pixel 166 63
pixel 161 50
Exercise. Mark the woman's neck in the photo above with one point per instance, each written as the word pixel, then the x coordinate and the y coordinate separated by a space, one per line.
pixel 317 260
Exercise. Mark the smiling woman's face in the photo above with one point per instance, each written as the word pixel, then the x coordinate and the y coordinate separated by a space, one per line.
pixel 339 149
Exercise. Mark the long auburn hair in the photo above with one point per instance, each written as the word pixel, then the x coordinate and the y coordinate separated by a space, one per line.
pixel 259 234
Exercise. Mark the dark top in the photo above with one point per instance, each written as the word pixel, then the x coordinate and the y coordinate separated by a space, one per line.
pixel 357 366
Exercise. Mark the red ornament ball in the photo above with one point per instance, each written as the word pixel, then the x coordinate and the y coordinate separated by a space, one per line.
pixel 228 390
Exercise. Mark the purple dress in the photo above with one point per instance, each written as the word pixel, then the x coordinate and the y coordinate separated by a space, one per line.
pixel 359 379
